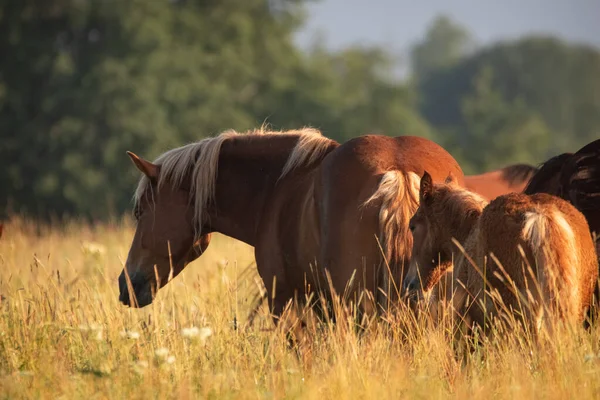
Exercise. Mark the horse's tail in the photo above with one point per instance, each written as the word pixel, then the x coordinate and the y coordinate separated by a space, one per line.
pixel 554 246
pixel 398 194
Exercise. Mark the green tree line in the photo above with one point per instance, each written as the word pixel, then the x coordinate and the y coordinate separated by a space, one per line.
pixel 82 81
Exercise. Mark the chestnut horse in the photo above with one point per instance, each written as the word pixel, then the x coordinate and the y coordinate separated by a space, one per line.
pixel 314 210
pixel 556 272
pixel 510 179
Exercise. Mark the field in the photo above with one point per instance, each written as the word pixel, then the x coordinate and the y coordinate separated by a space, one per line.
pixel 63 334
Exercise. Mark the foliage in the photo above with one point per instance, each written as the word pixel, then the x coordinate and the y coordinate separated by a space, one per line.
pixel 555 83
pixel 507 131
pixel 444 45
pixel 81 82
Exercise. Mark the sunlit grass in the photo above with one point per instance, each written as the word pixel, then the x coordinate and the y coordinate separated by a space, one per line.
pixel 63 334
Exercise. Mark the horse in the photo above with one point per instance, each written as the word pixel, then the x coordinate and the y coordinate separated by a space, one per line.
pixel 532 254
pixel 512 178
pixel 574 177
pixel 318 214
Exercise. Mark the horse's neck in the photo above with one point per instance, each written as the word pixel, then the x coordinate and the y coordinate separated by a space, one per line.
pixel 246 180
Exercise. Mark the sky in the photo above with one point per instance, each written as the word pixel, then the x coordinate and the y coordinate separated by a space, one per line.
pixel 397 24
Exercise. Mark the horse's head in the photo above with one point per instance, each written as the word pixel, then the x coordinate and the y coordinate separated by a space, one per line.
pixel 164 241
pixel 446 211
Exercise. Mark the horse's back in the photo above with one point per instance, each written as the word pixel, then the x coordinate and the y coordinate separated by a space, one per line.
pixel 379 154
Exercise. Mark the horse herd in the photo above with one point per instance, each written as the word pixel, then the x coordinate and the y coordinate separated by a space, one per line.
pixel 376 221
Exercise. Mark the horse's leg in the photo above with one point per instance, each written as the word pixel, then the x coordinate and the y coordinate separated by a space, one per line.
pixel 281 296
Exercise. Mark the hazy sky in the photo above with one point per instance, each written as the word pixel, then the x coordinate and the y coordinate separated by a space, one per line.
pixel 398 23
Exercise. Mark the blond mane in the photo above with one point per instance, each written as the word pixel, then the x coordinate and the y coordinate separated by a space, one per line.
pixel 458 201
pixel 201 160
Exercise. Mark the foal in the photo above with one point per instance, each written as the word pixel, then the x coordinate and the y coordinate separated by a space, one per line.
pixel 533 253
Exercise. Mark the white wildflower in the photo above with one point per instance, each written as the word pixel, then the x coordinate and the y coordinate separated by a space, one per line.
pixel 197 333
pixel 130 335
pixel 93 248
pixel 94 330
pixel 170 359
pixel 162 353
pixel 140 367
pixel 190 332
pixel 205 333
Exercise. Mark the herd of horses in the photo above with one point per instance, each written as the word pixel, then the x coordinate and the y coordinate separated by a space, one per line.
pixel 375 221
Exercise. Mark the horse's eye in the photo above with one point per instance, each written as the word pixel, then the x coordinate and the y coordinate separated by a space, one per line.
pixel 411 227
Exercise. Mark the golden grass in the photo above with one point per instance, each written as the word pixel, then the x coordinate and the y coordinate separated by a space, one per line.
pixel 63 334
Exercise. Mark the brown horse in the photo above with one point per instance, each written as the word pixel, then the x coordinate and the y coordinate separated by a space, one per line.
pixel 311 208
pixel 574 177
pixel 510 179
pixel 556 272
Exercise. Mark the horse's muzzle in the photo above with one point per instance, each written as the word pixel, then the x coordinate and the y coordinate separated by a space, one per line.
pixel 142 291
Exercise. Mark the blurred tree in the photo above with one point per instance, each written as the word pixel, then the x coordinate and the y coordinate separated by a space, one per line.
pixel 498 132
pixel 553 82
pixel 445 44
pixel 346 94
pixel 81 82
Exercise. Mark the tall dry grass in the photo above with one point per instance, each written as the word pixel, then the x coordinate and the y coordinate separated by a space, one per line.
pixel 63 334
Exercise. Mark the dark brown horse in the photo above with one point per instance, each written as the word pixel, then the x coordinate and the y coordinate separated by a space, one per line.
pixel 556 272
pixel 510 179
pixel 314 210
pixel 574 177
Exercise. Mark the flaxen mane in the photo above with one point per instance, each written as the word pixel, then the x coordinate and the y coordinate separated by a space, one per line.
pixel 459 203
pixel 201 160
pixel 518 173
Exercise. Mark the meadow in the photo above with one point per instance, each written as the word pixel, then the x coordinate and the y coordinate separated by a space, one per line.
pixel 63 334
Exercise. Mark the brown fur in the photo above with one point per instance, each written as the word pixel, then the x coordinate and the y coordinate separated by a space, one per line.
pixel 555 239
pixel 314 226
pixel 510 179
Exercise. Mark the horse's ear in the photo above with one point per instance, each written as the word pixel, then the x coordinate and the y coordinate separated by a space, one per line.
pixel 146 167
pixel 426 188
pixel 450 179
